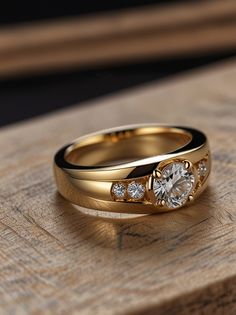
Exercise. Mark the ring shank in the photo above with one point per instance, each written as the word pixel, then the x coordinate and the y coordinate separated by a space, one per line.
pixel 86 169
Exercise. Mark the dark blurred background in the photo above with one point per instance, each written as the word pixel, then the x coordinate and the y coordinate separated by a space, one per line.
pixel 30 89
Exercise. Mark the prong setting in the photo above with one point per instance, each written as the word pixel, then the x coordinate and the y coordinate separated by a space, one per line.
pixel 187 164
pixel 162 203
pixel 156 173
pixel 190 198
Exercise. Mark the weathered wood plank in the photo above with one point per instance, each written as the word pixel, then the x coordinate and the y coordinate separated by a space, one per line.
pixel 56 259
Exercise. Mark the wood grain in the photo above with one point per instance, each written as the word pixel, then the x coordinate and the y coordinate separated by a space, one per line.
pixel 57 259
pixel 125 36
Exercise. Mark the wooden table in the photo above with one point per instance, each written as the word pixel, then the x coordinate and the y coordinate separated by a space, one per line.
pixel 56 259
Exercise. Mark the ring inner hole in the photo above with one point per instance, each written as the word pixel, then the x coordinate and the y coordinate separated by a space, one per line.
pixel 120 147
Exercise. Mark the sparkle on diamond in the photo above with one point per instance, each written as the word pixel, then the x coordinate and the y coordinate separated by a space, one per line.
pixel 202 168
pixel 136 190
pixel 175 185
pixel 119 190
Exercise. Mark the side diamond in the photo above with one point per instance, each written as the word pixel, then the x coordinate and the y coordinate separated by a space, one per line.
pixel 118 190
pixel 202 168
pixel 136 190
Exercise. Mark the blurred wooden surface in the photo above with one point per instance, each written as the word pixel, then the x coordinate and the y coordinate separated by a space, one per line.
pixel 160 31
pixel 56 259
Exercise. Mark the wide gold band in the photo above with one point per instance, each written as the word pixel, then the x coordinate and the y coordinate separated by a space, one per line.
pixel 134 169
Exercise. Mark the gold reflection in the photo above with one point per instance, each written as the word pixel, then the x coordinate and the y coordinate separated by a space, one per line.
pixel 123 231
pixel 107 151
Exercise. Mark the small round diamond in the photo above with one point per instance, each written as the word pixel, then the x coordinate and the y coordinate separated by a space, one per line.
pixel 136 190
pixel 202 168
pixel 175 185
pixel 118 190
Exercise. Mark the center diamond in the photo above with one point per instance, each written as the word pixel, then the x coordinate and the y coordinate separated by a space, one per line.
pixel 175 185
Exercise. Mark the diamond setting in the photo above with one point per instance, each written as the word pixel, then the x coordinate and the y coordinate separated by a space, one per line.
pixel 175 185
pixel 136 190
pixel 119 190
pixel 202 168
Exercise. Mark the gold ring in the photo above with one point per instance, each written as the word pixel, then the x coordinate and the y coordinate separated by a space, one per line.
pixel 134 169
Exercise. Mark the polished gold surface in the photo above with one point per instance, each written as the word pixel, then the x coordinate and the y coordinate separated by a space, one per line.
pixel 86 170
